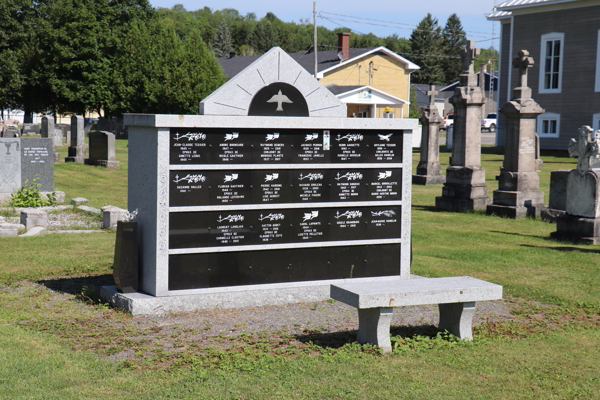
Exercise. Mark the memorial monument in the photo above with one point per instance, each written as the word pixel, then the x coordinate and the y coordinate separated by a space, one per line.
pixel 428 170
pixel 269 203
pixel 519 193
pixel 581 223
pixel 77 147
pixel 465 188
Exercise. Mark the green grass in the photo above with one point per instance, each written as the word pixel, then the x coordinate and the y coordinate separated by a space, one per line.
pixel 53 345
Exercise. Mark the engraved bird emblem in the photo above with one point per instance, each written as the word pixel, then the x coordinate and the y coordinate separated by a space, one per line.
pixel 279 98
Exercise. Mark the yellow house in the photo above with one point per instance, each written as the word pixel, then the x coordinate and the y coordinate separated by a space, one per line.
pixel 373 82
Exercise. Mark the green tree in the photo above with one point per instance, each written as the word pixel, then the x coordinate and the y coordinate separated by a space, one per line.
pixel 414 110
pixel 263 37
pixel 222 41
pixel 426 46
pixel 454 39
pixel 162 73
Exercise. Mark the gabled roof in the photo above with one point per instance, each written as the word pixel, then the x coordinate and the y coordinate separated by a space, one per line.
pixel 351 90
pixel 504 10
pixel 326 60
pixel 409 65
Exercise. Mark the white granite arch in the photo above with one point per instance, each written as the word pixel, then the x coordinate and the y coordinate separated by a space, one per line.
pixel 234 97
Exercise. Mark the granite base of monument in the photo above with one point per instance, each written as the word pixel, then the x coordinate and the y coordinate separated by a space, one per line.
pixel 577 229
pixel 76 154
pixel 428 179
pixel 465 190
pixel 516 204
pixel 102 163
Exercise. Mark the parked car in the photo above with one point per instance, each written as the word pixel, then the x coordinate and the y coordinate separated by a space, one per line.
pixel 489 123
pixel 449 120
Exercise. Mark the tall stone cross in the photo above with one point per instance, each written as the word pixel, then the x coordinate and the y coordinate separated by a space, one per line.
pixel 586 148
pixel 432 93
pixel 468 55
pixel 523 63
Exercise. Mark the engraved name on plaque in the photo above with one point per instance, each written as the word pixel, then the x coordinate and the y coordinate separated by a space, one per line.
pixel 231 229
pixel 271 186
pixel 231 148
pixel 348 185
pixel 273 226
pixel 385 186
pixel 347 224
pixel 313 147
pixel 230 187
pixel 311 226
pixel 188 147
pixel 350 147
pixel 273 149
pixel 309 185
pixel 189 188
pixel 383 222
pixel 385 147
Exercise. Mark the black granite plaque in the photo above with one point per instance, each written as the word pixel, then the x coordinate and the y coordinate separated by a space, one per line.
pixel 273 226
pixel 383 222
pixel 189 188
pixel 190 229
pixel 126 262
pixel 384 184
pixel 278 99
pixel 189 146
pixel 348 184
pixel 271 186
pixel 310 225
pixel 310 185
pixel 98 145
pixel 230 187
pixel 349 147
pixel 385 147
pixel 232 228
pixel 196 271
pixel 311 147
pixel 348 223
pixel 272 147
pixel 231 146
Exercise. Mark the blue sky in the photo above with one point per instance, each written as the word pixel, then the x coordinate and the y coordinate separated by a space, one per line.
pixel 402 13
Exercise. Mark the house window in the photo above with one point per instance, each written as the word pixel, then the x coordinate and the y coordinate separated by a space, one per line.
pixel 548 125
pixel 551 62
pixel 598 66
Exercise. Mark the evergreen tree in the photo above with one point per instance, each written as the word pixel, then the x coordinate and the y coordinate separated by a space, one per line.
pixel 454 39
pixel 426 46
pixel 222 41
pixel 263 37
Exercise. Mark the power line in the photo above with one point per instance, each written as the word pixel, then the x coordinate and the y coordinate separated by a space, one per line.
pixel 394 24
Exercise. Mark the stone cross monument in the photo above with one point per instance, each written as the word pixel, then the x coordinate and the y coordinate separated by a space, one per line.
pixel 465 188
pixel 581 223
pixel 518 193
pixel 428 170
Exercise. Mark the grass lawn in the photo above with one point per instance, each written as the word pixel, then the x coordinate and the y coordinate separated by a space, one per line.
pixel 58 345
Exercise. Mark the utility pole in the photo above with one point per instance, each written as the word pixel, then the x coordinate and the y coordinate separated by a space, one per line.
pixel 315 35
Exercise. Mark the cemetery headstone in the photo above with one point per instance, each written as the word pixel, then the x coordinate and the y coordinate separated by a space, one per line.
pixel 257 210
pixel 31 129
pixel 581 223
pixel 102 150
pixel 519 193
pixel 77 147
pixel 557 198
pixel 11 131
pixel 49 131
pixel 428 170
pixel 465 188
pixel 23 160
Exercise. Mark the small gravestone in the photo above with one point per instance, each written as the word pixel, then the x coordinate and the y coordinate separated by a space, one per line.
pixel 77 147
pixel 31 129
pixel 465 188
pixel 428 170
pixel 102 150
pixel 581 223
pixel 49 131
pixel 519 193
pixel 10 165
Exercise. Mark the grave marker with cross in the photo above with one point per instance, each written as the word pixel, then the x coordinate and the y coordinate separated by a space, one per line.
pixel 468 55
pixel 523 62
pixel 586 149
pixel 432 94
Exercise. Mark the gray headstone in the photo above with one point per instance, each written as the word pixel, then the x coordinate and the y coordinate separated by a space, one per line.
pixel 77 131
pixel 47 127
pixel 36 162
pixel 31 128
pixel 102 150
pixel 10 165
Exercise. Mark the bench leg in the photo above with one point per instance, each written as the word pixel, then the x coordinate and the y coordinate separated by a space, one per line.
pixel 457 318
pixel 374 327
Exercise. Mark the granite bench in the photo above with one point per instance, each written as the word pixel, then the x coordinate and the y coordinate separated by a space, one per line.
pixel 455 296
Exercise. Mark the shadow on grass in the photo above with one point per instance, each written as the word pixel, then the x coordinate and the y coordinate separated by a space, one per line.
pixel 335 340
pixel 74 286
pixel 565 249
pixel 520 234
pixel 424 208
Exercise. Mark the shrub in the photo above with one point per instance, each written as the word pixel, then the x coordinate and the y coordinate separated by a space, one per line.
pixel 29 196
